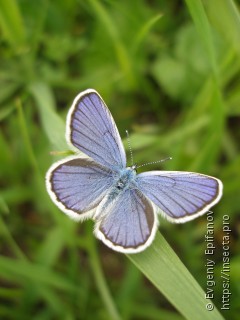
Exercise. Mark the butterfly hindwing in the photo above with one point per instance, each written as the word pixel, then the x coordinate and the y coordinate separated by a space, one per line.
pixel 128 223
pixel 77 185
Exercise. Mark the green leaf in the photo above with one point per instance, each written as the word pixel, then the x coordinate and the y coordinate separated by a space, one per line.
pixel 165 270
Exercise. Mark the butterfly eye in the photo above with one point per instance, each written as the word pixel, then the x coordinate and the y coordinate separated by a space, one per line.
pixel 134 167
pixel 120 185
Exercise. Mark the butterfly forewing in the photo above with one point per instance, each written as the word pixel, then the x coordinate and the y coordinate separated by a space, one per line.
pixel 92 130
pixel 181 196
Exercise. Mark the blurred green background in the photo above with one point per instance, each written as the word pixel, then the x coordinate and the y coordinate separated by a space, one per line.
pixel 172 82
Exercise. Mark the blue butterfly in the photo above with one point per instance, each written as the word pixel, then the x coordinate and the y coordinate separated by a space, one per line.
pixel 99 185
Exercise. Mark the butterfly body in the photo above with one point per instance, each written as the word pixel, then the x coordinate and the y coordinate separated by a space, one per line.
pixel 124 180
pixel 122 203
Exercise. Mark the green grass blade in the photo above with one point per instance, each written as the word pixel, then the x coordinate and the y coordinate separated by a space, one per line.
pixel 22 270
pixel 227 20
pixel 53 125
pixel 201 22
pixel 11 21
pixel 6 234
pixel 164 269
pixel 217 107
pixel 121 51
pixel 145 30
pixel 100 279
pixel 3 206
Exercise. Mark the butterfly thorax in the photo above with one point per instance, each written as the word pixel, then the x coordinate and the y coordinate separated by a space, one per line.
pixel 125 178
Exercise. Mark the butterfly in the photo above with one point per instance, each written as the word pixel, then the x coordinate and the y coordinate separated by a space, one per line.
pixel 100 186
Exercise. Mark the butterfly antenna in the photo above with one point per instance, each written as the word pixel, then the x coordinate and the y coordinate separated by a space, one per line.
pixel 145 164
pixel 129 147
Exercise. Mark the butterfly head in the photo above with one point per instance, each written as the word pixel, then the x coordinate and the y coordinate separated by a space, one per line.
pixel 133 167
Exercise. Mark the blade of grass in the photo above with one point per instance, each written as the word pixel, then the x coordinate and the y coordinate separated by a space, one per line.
pixel 144 31
pixel 99 277
pixel 7 91
pixel 26 138
pixel 216 126
pixel 226 18
pixel 199 17
pixel 213 140
pixel 130 285
pixel 121 52
pixel 53 125
pixel 6 234
pixel 142 311
pixel 51 247
pixel 22 270
pixel 11 21
pixel 164 269
pixel 6 111
pixel 3 206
